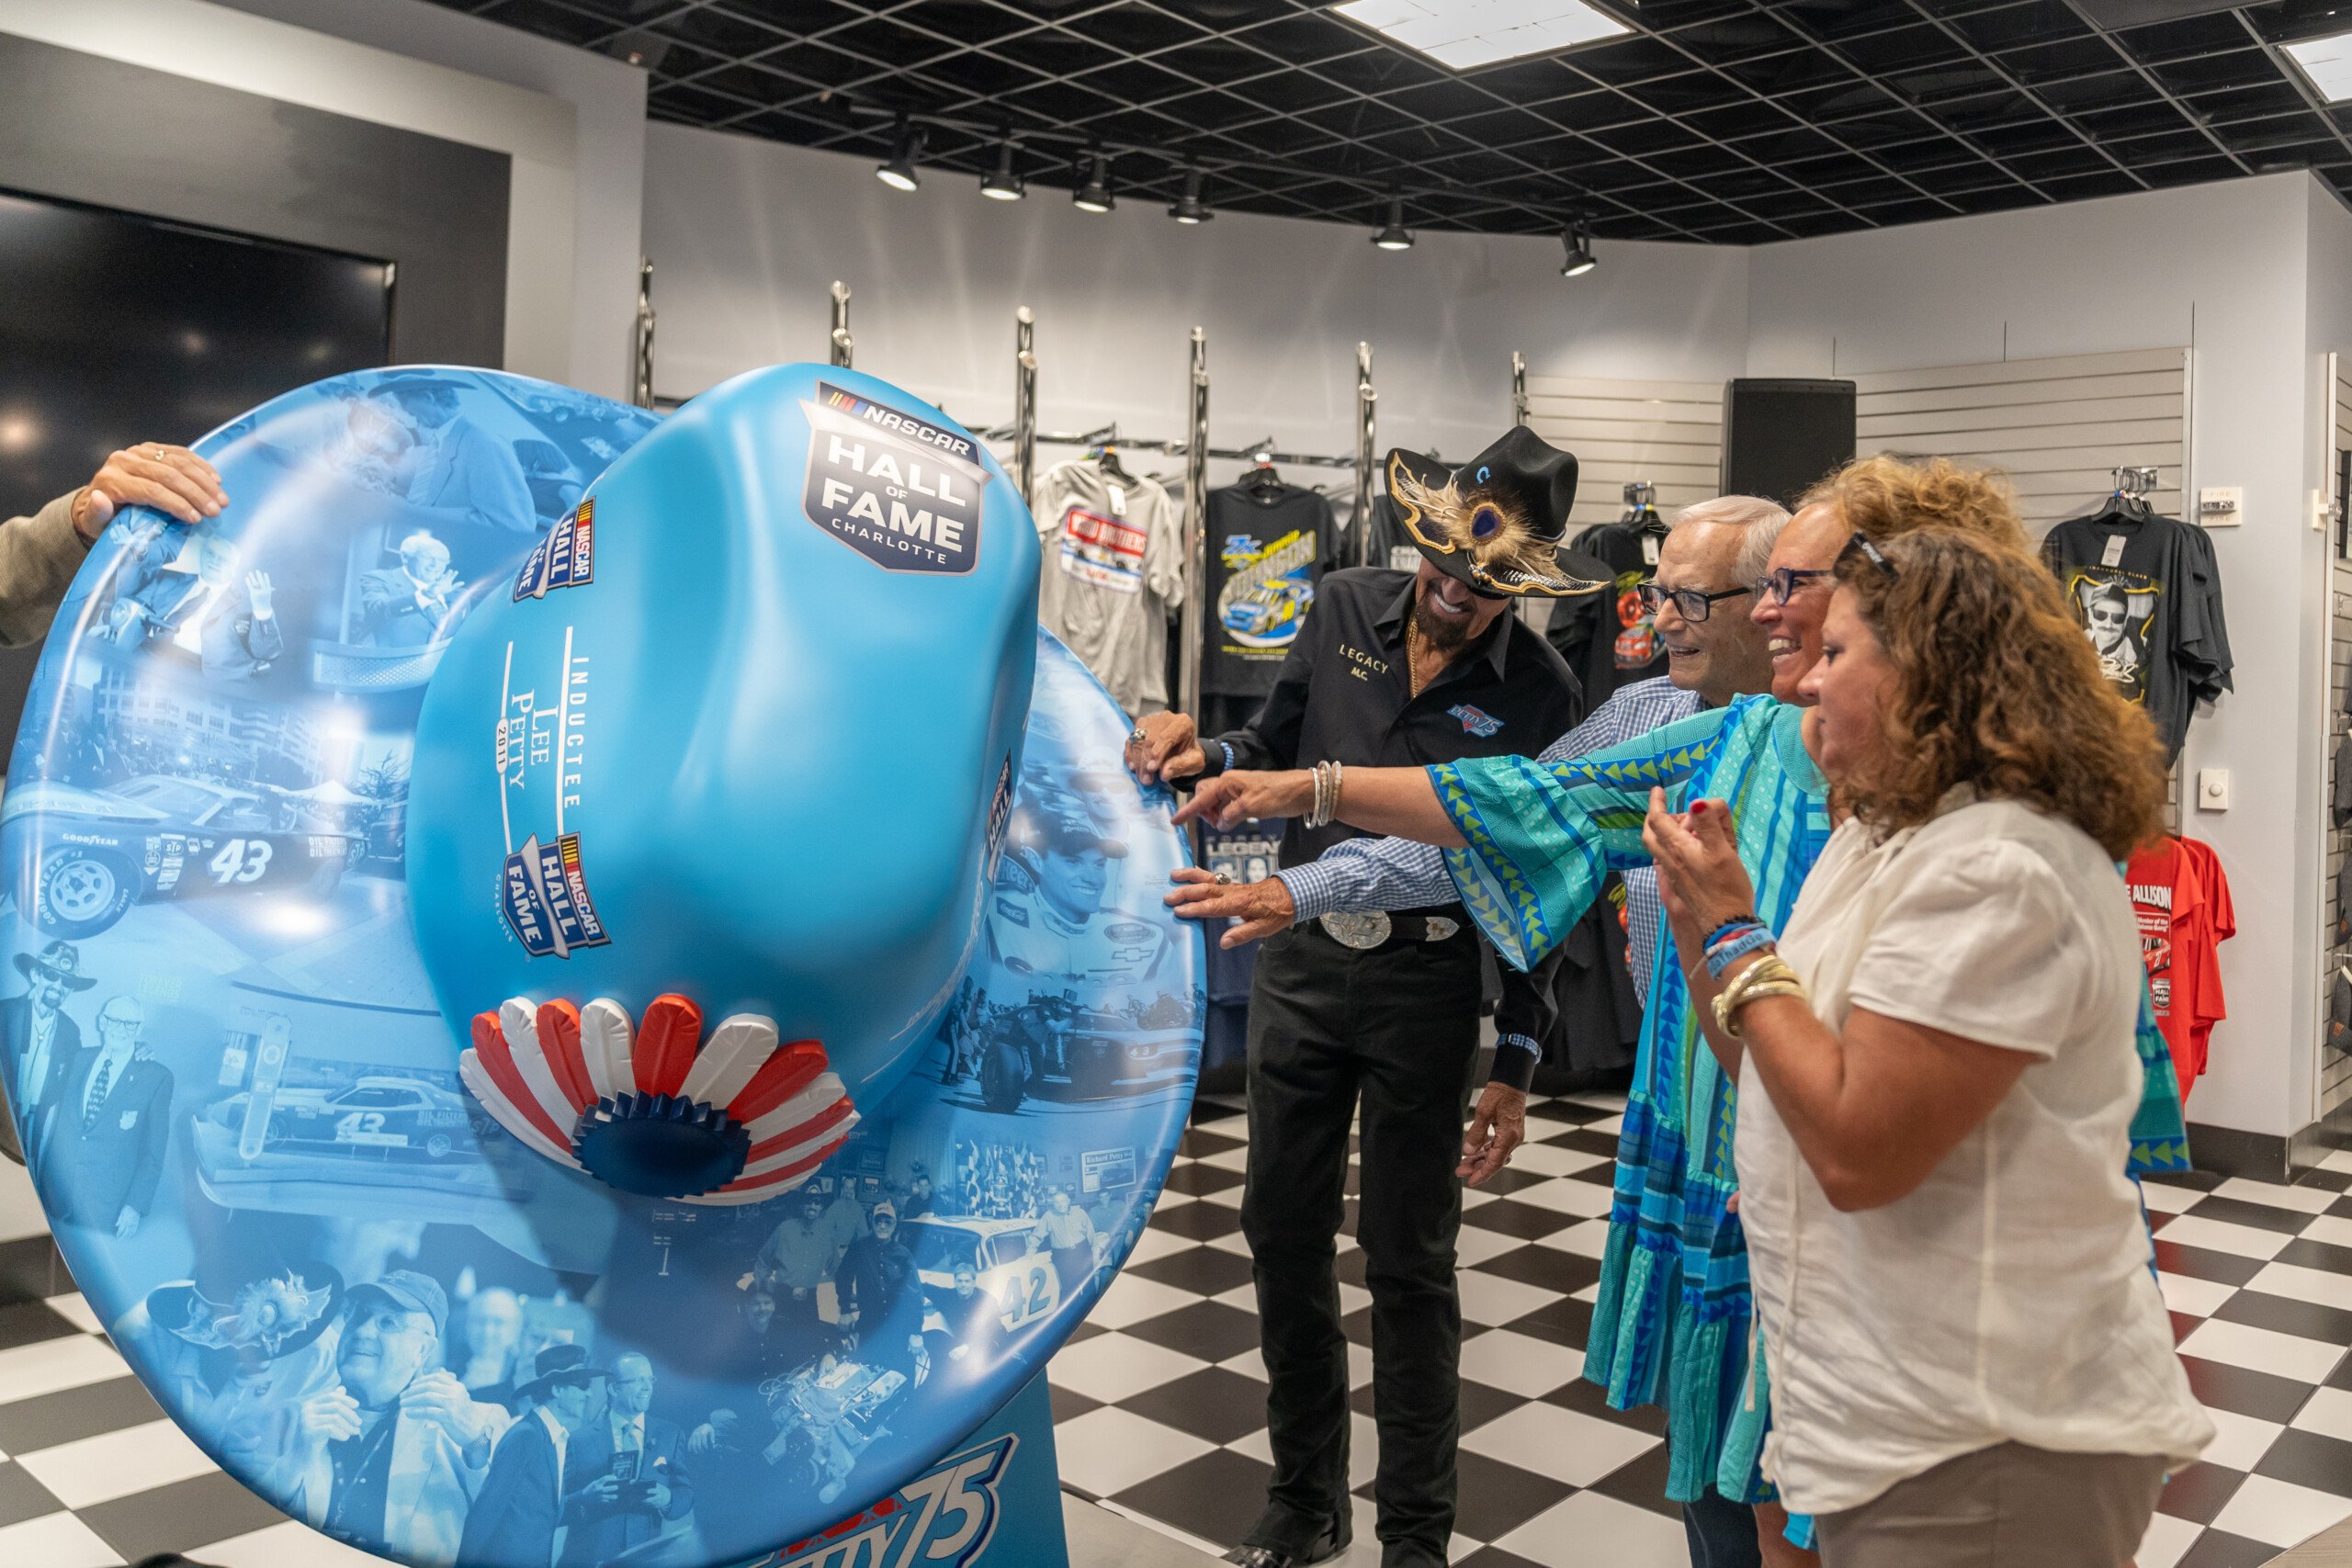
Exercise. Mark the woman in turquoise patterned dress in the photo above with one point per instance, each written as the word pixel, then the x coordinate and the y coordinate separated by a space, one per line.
pixel 1528 845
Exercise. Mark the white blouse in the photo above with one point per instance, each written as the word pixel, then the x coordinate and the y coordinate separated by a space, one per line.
pixel 2009 1297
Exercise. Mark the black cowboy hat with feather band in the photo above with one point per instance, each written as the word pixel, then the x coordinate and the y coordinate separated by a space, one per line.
pixel 1496 521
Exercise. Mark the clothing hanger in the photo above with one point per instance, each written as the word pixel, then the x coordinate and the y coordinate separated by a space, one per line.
pixel 1106 457
pixel 1641 508
pixel 2129 500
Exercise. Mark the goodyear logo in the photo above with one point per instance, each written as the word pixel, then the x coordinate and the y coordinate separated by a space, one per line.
pixel 898 489
pixel 565 558
pixel 945 1517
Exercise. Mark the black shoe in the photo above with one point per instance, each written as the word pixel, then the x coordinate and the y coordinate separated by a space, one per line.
pixel 1329 1544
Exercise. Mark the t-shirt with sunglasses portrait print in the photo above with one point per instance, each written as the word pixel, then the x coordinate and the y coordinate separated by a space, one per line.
pixel 2148 594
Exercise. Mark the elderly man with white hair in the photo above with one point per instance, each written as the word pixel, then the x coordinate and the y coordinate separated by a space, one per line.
pixel 408 605
pixel 1709 570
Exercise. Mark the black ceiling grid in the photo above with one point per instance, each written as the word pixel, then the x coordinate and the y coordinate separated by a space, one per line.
pixel 1729 121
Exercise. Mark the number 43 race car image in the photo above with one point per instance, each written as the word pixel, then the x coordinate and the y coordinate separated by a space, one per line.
pixel 158 837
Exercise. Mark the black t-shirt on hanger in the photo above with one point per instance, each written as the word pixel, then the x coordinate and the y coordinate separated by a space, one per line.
pixel 2148 594
pixel 1631 552
pixel 1583 629
pixel 1391 546
pixel 1268 547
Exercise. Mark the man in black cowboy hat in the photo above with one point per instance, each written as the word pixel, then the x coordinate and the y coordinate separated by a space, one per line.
pixel 35 1034
pixel 531 1487
pixel 1401 669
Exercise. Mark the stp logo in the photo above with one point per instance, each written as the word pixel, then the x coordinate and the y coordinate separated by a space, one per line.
pixel 943 1519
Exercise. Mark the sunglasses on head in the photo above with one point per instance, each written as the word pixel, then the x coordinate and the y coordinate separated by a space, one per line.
pixel 1860 547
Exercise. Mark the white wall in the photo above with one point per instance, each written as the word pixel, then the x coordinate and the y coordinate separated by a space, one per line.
pixel 571 235
pixel 592 328
pixel 2222 268
pixel 747 235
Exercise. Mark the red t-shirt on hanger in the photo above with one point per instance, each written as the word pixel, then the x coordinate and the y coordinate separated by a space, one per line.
pixel 2181 901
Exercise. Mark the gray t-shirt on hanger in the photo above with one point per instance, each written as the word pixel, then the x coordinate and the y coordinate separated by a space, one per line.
pixel 1112 567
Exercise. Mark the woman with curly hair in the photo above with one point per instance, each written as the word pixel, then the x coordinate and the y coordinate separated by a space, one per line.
pixel 1971 1360
pixel 1530 845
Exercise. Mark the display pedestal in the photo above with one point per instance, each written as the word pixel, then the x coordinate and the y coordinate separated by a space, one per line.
pixel 994 1501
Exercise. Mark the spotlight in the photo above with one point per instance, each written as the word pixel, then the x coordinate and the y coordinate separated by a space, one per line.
pixel 898 173
pixel 1395 236
pixel 1006 184
pixel 1094 195
pixel 1190 208
pixel 1577 241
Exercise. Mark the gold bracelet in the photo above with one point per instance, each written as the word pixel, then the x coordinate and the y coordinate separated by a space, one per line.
pixel 1769 975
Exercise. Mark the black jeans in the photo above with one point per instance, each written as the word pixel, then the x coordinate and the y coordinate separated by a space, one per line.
pixel 1396 1028
pixel 1721 1532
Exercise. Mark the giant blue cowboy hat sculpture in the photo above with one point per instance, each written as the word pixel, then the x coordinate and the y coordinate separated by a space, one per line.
pixel 734 833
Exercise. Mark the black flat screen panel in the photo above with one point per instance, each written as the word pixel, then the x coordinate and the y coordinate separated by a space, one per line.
pixel 116 328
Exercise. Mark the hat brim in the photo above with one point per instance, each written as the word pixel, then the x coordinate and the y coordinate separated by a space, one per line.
pixel 28 966
pixel 167 1309
pixel 1518 578
pixel 537 1386
pixel 363 1011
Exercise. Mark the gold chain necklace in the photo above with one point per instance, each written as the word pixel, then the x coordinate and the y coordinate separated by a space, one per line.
pixel 1413 637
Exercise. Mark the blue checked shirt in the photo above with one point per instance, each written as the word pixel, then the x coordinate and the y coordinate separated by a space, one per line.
pixel 1364 874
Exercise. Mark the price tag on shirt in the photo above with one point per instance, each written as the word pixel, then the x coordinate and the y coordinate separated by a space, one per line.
pixel 2113 554
pixel 1649 549
pixel 1118 501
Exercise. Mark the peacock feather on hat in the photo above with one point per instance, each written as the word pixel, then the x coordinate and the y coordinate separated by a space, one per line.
pixel 1482 531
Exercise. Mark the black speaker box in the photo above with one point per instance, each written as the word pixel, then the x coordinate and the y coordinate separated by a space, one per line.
pixel 1781 437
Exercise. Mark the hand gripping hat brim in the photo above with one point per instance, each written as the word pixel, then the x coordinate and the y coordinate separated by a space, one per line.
pixel 1496 521
pixel 332 1038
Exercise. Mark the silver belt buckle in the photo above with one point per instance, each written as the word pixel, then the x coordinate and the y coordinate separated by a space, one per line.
pixel 1362 933
pixel 1440 928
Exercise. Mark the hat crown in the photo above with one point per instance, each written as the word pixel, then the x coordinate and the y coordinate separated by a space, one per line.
pixel 804 598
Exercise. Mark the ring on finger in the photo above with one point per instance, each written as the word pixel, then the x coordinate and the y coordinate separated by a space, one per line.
pixel 1136 735
pixel 1223 879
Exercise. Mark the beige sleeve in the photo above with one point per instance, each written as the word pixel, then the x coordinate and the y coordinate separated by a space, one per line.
pixel 39 555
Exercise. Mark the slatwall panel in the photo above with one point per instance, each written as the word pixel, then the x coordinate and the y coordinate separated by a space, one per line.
pixel 2055 427
pixel 1669 433
pixel 2058 428
pixel 2335 1068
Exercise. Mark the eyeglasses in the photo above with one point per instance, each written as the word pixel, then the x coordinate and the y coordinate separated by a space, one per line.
pixel 1781 585
pixel 1693 605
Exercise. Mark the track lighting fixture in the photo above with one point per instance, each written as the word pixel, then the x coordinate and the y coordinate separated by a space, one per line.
pixel 1395 236
pixel 1006 184
pixel 898 173
pixel 1577 240
pixel 1095 194
pixel 1189 207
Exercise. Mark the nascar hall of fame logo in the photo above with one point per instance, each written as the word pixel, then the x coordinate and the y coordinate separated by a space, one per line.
pixel 1479 722
pixel 545 894
pixel 565 558
pixel 1268 593
pixel 900 491
pixel 944 1518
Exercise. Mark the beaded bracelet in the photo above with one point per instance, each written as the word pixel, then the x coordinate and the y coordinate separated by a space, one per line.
pixel 1717 934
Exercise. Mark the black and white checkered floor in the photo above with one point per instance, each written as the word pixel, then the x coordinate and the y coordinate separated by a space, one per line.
pixel 1159 1397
